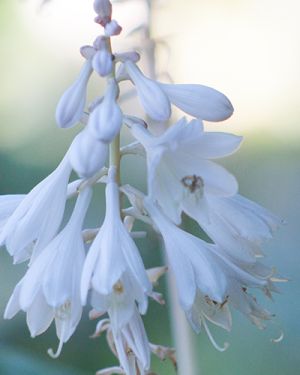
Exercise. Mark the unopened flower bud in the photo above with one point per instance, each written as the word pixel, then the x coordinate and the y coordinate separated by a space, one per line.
pixel 106 120
pixel 154 101
pixel 104 10
pixel 71 105
pixel 112 28
pixel 87 155
pixel 103 62
pixel 132 56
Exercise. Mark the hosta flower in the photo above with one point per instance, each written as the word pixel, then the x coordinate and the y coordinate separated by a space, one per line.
pixel 71 105
pixel 51 287
pixel 179 166
pixel 235 223
pixel 113 262
pixel 199 101
pixel 38 217
pixel 106 119
pixel 205 275
pixel 87 155
pixel 152 98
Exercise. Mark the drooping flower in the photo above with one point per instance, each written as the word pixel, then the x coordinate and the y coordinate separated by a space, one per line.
pixel 106 119
pixel 87 155
pixel 51 287
pixel 178 163
pixel 113 261
pixel 152 98
pixel 207 279
pixel 37 218
pixel 235 223
pixel 199 101
pixel 71 105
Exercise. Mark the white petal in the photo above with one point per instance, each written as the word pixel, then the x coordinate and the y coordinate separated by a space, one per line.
pixel 71 105
pixel 103 62
pixel 154 101
pixel 39 316
pixel 199 101
pixel 13 305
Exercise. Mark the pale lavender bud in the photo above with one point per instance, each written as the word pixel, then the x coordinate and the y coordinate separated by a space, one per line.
pixel 103 59
pixel 106 119
pixel 87 155
pixel 124 56
pixel 154 101
pixel 71 105
pixel 103 62
pixel 104 10
pixel 112 28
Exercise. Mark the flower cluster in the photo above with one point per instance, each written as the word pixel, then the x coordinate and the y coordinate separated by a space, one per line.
pixel 70 267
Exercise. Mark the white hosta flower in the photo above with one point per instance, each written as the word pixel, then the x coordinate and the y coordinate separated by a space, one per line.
pixel 199 101
pixel 153 99
pixel 132 345
pixel 113 262
pixel 178 164
pixel 204 274
pixel 235 223
pixel 38 216
pixel 87 154
pixel 71 105
pixel 106 119
pixel 51 287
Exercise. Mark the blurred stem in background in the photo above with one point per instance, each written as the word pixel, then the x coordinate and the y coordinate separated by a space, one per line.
pixel 181 331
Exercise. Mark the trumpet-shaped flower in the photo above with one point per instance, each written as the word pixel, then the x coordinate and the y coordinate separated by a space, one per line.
pixel 87 154
pixel 205 274
pixel 71 105
pixel 199 101
pixel 152 98
pixel 51 287
pixel 38 217
pixel 179 166
pixel 235 223
pixel 106 119
pixel 113 262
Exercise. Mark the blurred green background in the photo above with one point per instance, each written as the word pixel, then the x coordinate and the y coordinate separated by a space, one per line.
pixel 248 49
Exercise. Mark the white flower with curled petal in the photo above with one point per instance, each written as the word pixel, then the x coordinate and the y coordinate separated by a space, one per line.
pixel 199 101
pixel 153 99
pixel 38 217
pixel 178 164
pixel 106 119
pixel 51 287
pixel 113 261
pixel 71 105
pixel 204 270
pixel 87 155
pixel 235 223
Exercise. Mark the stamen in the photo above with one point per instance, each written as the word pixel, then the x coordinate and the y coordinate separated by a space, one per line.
pixel 118 287
pixel 212 340
pixel 194 183
pixel 278 339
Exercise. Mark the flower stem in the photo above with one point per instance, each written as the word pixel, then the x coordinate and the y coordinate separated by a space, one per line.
pixel 114 156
